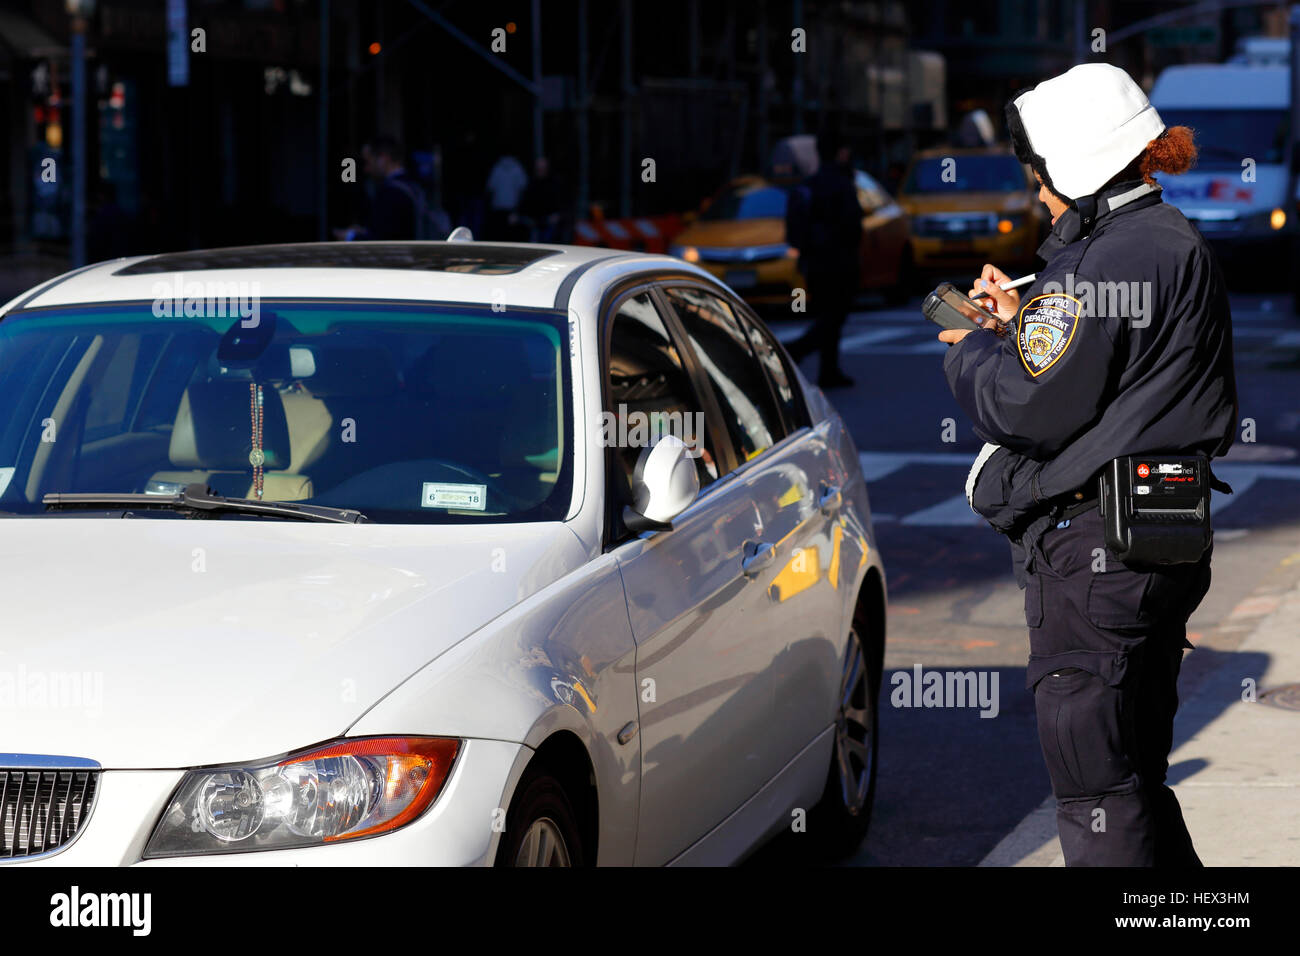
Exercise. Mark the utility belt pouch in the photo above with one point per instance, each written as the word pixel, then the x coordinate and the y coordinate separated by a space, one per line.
pixel 1156 508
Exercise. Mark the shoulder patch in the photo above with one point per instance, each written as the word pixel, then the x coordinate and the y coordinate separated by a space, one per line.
pixel 1046 329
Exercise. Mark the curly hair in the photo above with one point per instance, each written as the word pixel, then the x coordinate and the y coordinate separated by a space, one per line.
pixel 1173 151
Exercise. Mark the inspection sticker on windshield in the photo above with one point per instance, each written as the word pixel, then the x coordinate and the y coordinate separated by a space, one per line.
pixel 462 497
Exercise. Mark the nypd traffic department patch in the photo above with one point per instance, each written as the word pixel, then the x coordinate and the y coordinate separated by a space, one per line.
pixel 1047 324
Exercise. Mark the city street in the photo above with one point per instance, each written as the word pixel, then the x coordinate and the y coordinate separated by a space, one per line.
pixel 953 785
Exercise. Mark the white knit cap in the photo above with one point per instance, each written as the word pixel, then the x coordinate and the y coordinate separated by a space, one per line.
pixel 1087 124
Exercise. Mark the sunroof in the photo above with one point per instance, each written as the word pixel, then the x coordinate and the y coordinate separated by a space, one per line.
pixel 442 257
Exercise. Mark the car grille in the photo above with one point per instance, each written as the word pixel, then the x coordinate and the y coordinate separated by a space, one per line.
pixel 42 810
pixel 955 225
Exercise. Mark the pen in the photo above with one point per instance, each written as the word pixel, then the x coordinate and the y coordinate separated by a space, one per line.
pixel 1008 286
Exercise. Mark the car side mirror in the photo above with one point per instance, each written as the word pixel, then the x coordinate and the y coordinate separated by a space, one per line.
pixel 664 483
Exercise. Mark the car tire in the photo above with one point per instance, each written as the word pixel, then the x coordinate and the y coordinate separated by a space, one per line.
pixel 839 822
pixel 541 828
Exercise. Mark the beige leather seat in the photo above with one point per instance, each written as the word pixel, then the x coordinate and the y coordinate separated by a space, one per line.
pixel 212 438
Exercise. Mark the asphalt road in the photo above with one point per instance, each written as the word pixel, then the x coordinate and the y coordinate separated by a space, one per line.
pixel 953 783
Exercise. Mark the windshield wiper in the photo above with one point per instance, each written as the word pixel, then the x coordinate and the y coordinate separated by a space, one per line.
pixel 199 500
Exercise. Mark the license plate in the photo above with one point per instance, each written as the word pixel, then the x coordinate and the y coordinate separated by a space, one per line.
pixel 742 278
pixel 958 245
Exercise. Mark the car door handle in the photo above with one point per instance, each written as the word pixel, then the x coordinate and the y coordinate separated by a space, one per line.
pixel 758 555
pixel 831 499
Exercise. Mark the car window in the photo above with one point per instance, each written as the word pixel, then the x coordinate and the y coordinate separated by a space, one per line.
pixel 650 391
pixel 747 202
pixel 724 351
pixel 967 174
pixel 428 414
pixel 784 387
pixel 870 194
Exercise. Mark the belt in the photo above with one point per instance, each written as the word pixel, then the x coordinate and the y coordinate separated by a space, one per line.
pixel 1080 506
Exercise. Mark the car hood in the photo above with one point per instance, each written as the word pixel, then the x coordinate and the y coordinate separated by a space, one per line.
pixel 171 643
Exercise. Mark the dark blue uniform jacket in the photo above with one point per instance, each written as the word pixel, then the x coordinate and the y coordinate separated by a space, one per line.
pixel 1123 345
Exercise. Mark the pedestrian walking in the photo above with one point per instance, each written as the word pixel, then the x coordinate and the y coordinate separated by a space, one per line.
pixel 824 223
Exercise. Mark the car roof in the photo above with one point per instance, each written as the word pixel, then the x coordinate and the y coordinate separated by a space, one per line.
pixel 511 274
pixel 1221 86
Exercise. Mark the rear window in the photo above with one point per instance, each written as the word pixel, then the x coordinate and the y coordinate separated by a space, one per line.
pixel 764 202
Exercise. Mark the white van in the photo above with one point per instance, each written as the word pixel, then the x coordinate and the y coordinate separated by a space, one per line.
pixel 1238 193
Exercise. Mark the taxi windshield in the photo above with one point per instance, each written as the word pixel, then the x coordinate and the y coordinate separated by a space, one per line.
pixel 967 174
pixel 405 413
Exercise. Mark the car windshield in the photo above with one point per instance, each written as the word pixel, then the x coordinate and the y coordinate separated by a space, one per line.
pixel 1223 137
pixel 747 202
pixel 967 174
pixel 405 413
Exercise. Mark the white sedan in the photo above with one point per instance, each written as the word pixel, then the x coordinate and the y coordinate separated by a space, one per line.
pixel 424 553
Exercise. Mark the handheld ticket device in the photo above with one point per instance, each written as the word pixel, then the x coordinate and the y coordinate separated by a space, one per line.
pixel 950 309
pixel 1156 508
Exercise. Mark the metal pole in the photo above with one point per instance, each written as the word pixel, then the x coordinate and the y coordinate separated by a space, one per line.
pixel 538 141
pixel 322 127
pixel 1080 29
pixel 797 93
pixel 762 85
pixel 625 185
pixel 584 172
pixel 693 37
pixel 80 155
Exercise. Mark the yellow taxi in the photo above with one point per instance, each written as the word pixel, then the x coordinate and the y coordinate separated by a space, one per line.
pixel 971 206
pixel 740 238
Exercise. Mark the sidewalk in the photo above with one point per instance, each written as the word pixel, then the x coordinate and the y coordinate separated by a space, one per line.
pixel 1238 775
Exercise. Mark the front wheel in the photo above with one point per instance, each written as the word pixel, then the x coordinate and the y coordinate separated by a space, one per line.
pixel 840 820
pixel 541 829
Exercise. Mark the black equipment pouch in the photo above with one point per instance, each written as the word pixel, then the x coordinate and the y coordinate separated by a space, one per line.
pixel 1156 508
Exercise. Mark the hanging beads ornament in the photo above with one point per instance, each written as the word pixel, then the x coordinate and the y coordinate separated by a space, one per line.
pixel 256 457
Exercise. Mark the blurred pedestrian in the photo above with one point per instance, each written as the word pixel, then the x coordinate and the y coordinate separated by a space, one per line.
pixel 824 223
pixel 398 199
pixel 505 187
pixel 543 206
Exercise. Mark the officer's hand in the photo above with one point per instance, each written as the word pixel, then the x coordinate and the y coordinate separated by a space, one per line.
pixel 953 336
pixel 1005 305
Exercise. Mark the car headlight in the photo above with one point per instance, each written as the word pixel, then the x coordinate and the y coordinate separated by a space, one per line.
pixel 687 253
pixel 1008 224
pixel 339 791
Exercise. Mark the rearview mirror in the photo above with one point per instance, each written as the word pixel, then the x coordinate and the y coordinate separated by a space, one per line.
pixel 664 483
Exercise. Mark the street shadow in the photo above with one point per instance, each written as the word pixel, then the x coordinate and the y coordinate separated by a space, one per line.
pixel 951 784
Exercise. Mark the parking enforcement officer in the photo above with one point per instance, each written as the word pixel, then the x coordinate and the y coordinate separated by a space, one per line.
pixel 1122 346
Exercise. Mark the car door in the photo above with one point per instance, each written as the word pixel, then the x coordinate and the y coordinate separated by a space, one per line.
pixel 789 476
pixel 705 690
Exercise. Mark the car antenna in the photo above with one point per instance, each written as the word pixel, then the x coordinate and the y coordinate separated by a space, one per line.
pixel 460 234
